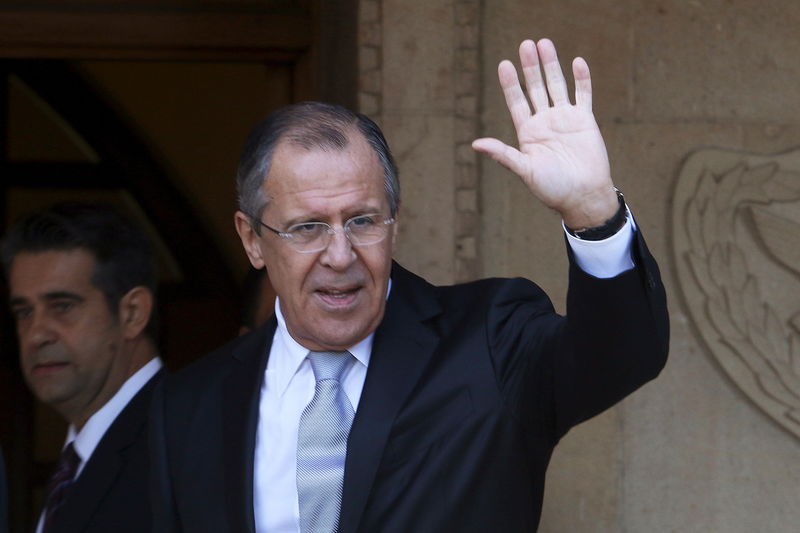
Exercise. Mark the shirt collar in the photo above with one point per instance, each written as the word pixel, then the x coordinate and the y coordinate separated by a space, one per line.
pixel 86 440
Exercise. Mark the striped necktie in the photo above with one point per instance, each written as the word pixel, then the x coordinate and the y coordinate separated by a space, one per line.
pixel 322 445
pixel 59 485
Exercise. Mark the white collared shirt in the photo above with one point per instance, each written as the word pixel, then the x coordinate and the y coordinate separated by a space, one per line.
pixel 289 382
pixel 287 388
pixel 86 440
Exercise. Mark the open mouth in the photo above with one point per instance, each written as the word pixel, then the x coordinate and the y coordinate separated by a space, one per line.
pixel 338 297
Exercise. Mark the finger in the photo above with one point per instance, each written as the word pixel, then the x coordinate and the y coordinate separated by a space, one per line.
pixel 515 99
pixel 529 58
pixel 583 83
pixel 556 84
pixel 509 157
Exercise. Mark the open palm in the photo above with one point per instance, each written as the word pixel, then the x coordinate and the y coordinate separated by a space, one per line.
pixel 561 157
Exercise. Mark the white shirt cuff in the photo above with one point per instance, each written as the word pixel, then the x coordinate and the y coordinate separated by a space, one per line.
pixel 608 257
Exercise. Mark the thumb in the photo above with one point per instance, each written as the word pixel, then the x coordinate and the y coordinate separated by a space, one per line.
pixel 506 155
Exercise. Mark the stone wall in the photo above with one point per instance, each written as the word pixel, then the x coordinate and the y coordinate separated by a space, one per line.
pixel 713 444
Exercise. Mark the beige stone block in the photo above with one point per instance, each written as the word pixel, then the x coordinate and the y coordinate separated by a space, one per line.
pixel 467 270
pixel 466 105
pixel 368 58
pixel 716 59
pixel 369 11
pixel 599 31
pixel 418 55
pixel 700 456
pixel 467 59
pixel 466 248
pixel 370 34
pixel 467 200
pixel 466 175
pixel 468 36
pixel 370 81
pixel 467 12
pixel 369 104
pixel 581 488
pixel 465 154
pixel 467 83
pixel 466 130
pixel 423 148
pixel 468 224
pixel 519 235
pixel 645 161
pixel 770 138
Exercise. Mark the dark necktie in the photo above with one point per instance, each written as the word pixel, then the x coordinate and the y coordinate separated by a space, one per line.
pixel 59 485
pixel 322 445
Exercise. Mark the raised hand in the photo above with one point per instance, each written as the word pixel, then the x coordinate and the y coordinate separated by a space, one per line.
pixel 561 157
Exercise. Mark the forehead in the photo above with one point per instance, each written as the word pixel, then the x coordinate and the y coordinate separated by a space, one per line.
pixel 37 273
pixel 300 175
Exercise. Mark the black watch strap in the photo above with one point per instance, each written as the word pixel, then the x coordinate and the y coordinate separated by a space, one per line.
pixel 608 228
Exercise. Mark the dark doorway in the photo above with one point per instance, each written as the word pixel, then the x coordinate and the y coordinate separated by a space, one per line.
pixel 65 133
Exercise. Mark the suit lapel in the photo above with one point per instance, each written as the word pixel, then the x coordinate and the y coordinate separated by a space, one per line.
pixel 95 480
pixel 401 349
pixel 240 422
pixel 103 467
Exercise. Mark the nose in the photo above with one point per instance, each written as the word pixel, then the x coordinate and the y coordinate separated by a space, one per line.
pixel 35 332
pixel 339 253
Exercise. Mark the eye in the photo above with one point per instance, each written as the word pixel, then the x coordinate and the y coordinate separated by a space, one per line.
pixel 361 222
pixel 62 306
pixel 21 313
pixel 307 231
pixel 308 228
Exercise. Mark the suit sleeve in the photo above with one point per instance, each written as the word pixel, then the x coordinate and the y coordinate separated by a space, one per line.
pixel 559 371
pixel 616 338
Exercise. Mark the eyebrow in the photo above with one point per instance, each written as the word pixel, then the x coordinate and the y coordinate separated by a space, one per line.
pixel 48 297
pixel 350 213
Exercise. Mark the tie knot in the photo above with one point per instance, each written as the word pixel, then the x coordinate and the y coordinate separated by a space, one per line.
pixel 68 461
pixel 328 365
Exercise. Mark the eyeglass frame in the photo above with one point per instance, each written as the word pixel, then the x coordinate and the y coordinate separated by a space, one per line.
pixel 330 230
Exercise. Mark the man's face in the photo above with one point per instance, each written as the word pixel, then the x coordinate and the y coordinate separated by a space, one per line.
pixel 69 341
pixel 333 298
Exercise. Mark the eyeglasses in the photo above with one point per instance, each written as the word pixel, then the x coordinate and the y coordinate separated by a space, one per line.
pixel 308 237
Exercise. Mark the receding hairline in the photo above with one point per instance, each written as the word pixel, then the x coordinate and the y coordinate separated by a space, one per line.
pixel 289 140
pixel 297 136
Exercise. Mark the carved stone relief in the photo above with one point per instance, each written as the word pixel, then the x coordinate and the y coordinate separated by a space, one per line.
pixel 736 240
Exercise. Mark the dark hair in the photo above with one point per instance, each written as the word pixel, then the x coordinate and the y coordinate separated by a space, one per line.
pixel 122 252
pixel 310 125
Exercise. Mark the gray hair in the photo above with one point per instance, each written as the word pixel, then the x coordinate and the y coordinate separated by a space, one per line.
pixel 310 125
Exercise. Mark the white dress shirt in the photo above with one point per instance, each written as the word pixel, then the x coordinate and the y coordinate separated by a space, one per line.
pixel 289 383
pixel 287 388
pixel 86 440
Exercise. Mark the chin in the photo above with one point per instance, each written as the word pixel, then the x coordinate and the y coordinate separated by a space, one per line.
pixel 336 339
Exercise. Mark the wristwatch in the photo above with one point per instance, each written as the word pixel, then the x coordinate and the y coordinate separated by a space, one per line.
pixel 608 228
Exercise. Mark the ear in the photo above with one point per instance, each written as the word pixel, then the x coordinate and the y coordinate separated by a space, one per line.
pixel 135 308
pixel 251 241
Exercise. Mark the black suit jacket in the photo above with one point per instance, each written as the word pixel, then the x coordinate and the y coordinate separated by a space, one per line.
pixel 111 494
pixel 468 390
pixel 3 495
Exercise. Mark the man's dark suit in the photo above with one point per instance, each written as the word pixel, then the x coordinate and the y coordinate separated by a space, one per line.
pixel 3 495
pixel 468 390
pixel 111 493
